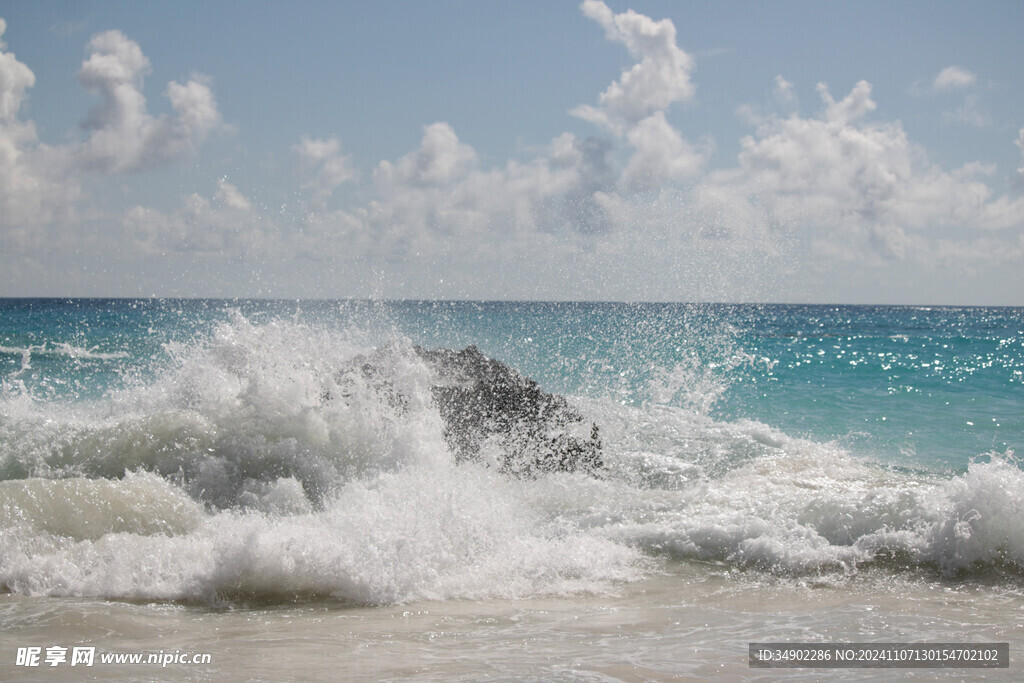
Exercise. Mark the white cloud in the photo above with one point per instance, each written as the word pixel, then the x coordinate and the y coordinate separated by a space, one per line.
pixel 423 193
pixel 41 185
pixel 953 78
pixel 821 164
pixel 634 106
pixel 196 107
pixel 123 135
pixel 229 196
pixel 853 180
pixel 662 155
pixel 660 78
pixel 324 166
pixel 440 159
pixel 855 189
pixel 852 107
pixel 15 79
pixel 783 91
pixel 431 205
pixel 580 217
pixel 226 227
pixel 34 188
pixel 437 190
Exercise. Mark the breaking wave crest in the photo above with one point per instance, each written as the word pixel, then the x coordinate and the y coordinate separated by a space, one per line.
pixel 267 462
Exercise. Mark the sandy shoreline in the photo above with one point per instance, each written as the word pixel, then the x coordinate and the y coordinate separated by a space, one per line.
pixel 693 621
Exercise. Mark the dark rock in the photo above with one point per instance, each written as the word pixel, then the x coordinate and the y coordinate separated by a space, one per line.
pixel 491 412
pixel 482 401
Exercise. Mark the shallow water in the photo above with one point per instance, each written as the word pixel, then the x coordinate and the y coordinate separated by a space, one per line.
pixel 690 621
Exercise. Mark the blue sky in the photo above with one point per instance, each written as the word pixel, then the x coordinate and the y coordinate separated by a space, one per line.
pixel 733 151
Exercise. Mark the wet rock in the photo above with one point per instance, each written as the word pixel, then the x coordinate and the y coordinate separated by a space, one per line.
pixel 491 412
pixel 485 402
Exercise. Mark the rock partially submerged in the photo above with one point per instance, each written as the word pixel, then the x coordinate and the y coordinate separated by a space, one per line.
pixel 485 402
pixel 494 414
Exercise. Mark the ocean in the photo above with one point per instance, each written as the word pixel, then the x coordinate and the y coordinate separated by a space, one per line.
pixel 271 490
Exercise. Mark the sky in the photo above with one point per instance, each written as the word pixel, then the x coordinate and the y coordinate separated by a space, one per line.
pixel 868 152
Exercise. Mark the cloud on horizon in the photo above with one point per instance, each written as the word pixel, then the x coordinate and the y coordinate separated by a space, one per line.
pixel 846 186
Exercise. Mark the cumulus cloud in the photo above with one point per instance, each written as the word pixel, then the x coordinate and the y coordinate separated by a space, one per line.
pixel 851 107
pixel 324 166
pixel 34 188
pixel 227 226
pixel 662 155
pixel 659 79
pixel 634 106
pixel 123 135
pixel 424 192
pixel 15 79
pixel 44 217
pixel 853 180
pixel 852 187
pixel 438 190
pixel 591 175
pixel 440 159
pixel 637 203
pixel 40 184
pixel 953 78
pixel 195 106
pixel 433 204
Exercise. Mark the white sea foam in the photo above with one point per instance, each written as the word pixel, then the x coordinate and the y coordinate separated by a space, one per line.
pixel 412 534
pixel 62 349
pixel 259 465
pixel 757 498
pixel 314 482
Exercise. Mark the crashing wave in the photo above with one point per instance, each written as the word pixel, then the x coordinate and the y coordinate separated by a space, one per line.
pixel 493 413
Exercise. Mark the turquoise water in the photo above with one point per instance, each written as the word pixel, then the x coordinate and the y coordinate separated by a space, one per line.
pixel 223 451
pixel 909 385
